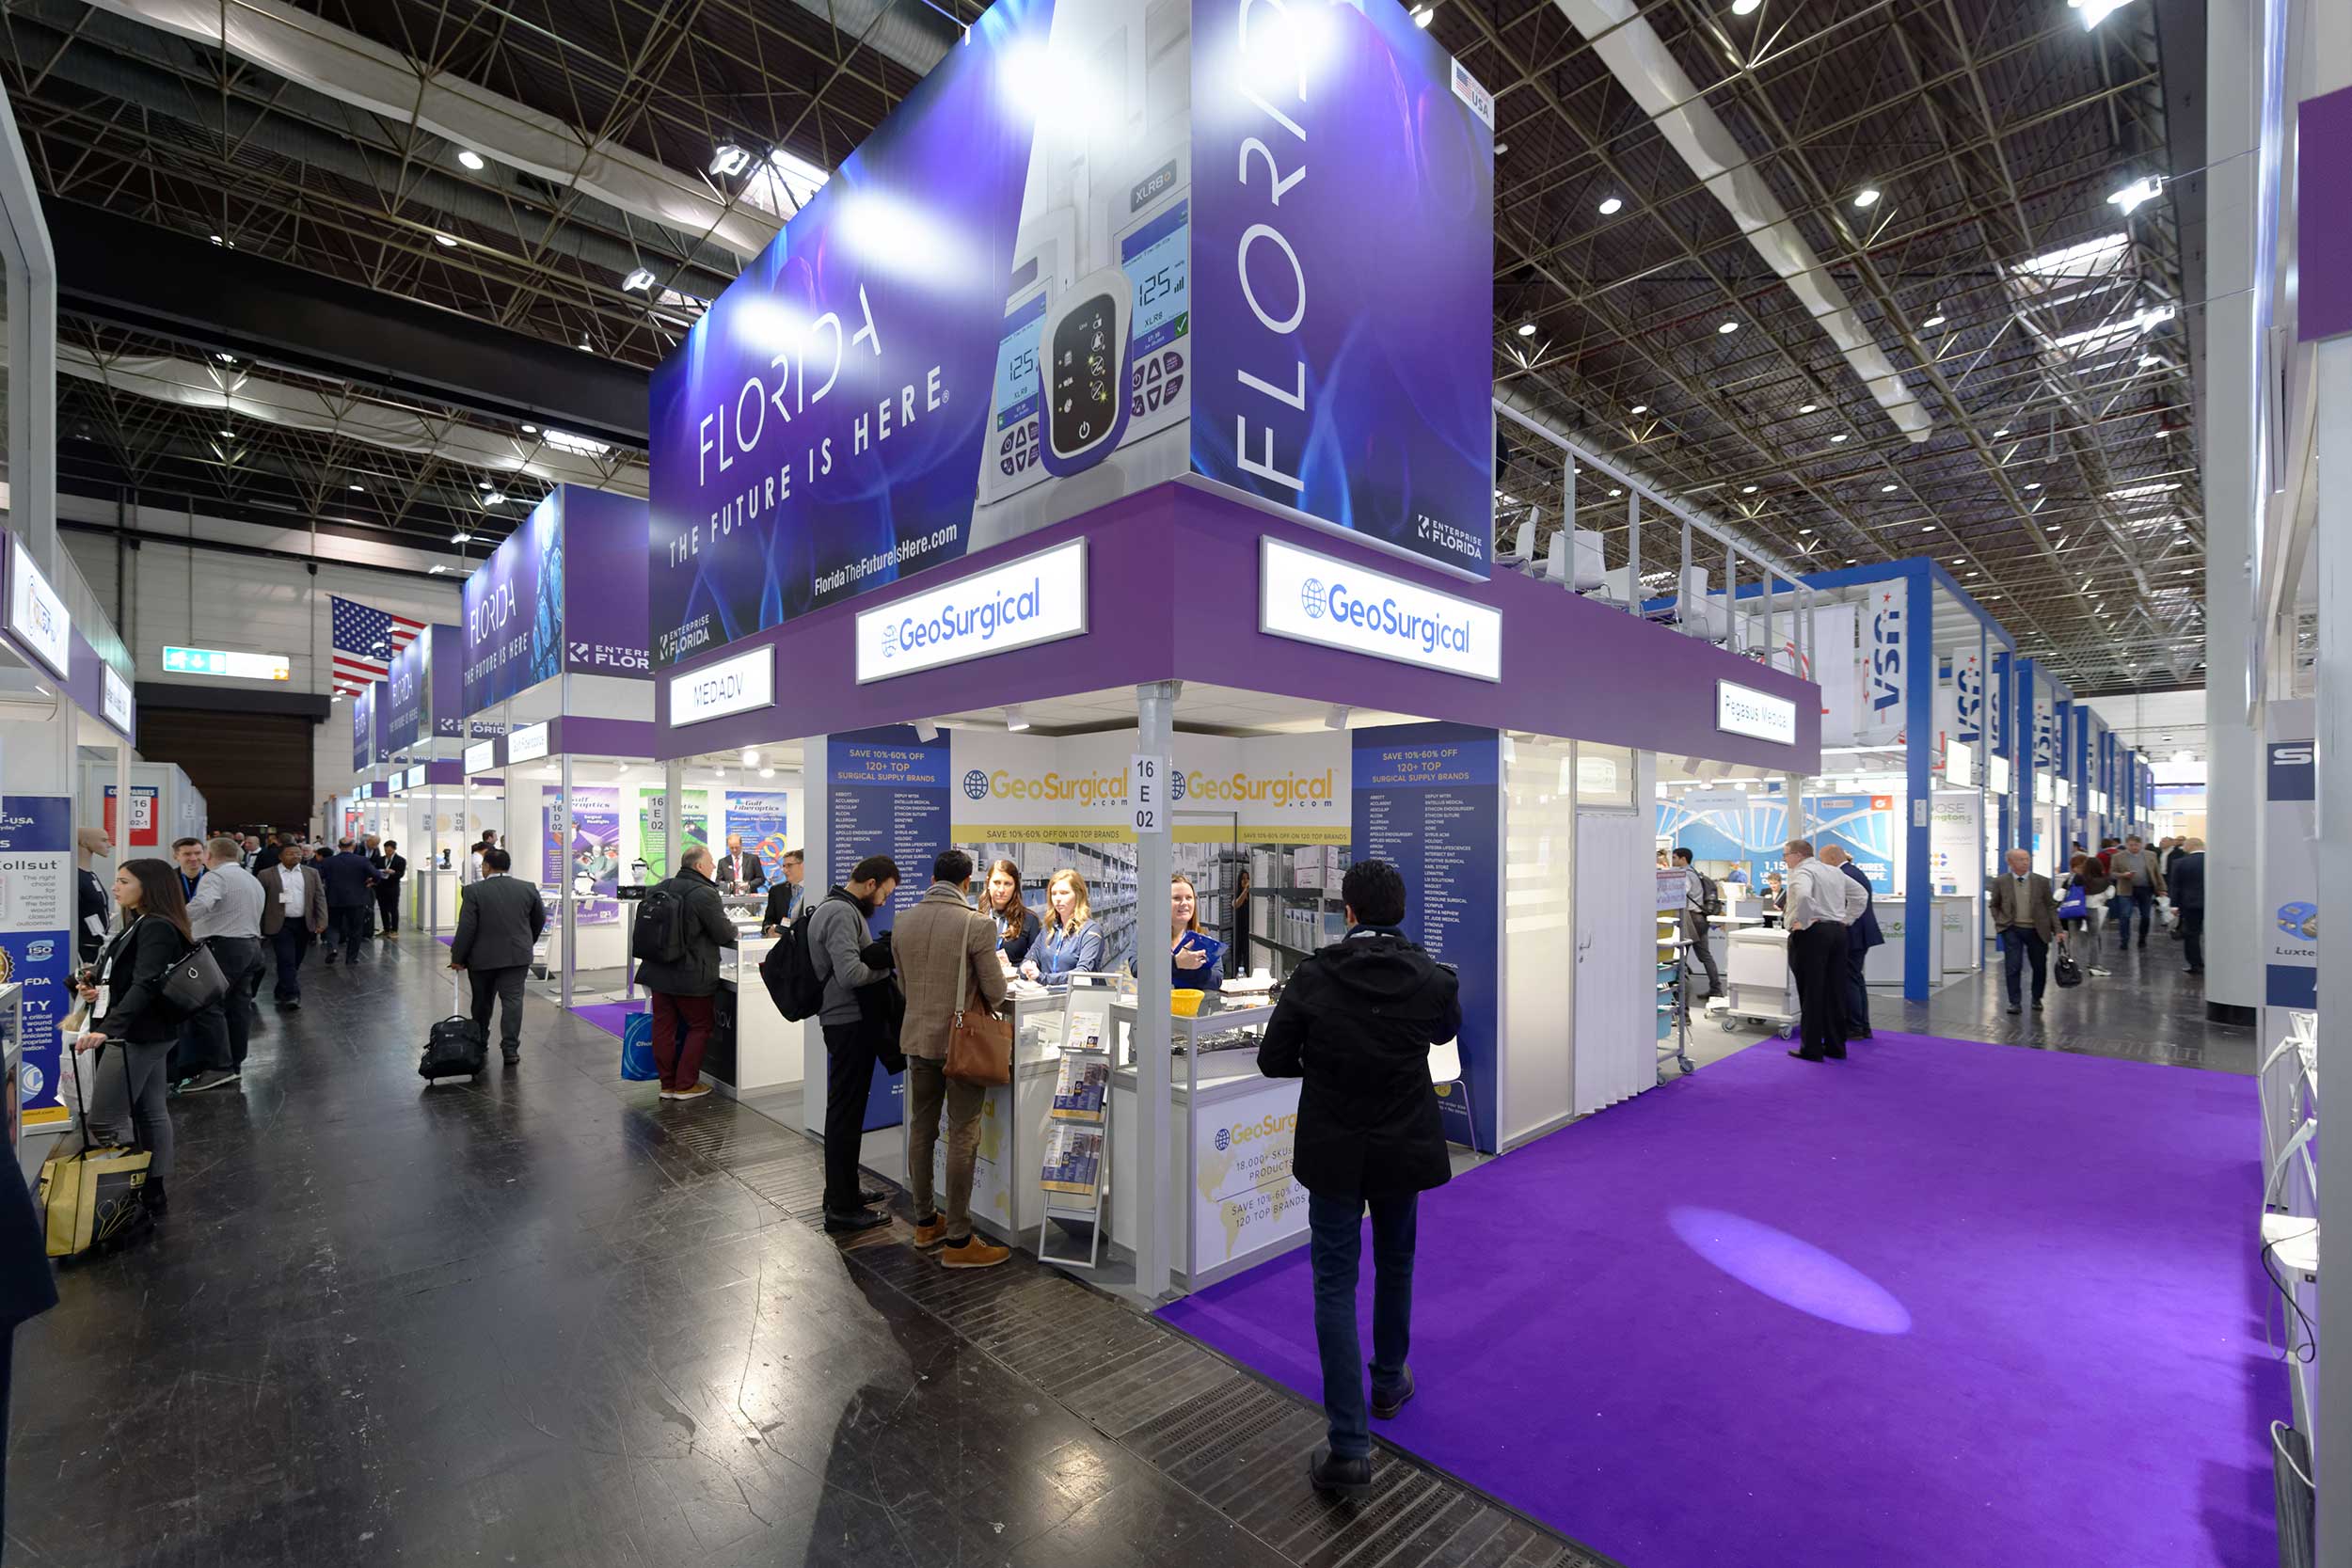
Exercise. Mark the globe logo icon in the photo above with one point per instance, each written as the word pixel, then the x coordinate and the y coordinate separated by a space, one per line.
pixel 1176 786
pixel 976 785
pixel 890 637
pixel 1224 1140
pixel 1310 598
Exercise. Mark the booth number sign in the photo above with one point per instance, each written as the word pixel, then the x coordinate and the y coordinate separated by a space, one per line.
pixel 1147 787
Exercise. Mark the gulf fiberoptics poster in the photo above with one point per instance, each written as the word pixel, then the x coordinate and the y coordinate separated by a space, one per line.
pixel 1101 246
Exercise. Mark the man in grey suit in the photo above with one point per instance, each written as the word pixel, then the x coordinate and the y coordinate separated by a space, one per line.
pixel 2024 916
pixel 497 925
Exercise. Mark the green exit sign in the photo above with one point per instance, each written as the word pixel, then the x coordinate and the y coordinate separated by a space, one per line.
pixel 219 662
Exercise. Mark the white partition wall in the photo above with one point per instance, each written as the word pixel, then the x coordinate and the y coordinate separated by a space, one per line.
pixel 1538 912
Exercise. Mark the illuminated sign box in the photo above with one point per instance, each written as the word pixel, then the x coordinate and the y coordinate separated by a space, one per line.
pixel 221 661
pixel 527 744
pixel 37 617
pixel 1318 598
pixel 743 683
pixel 1759 715
pixel 1038 598
pixel 481 756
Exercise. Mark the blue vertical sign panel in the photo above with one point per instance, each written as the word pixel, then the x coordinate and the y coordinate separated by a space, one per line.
pixel 885 794
pixel 36 901
pixel 1427 798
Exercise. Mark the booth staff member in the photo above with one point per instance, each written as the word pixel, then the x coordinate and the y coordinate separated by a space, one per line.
pixel 1196 960
pixel 739 871
pixel 1016 923
pixel 1820 902
pixel 785 898
pixel 1861 934
pixel 1071 943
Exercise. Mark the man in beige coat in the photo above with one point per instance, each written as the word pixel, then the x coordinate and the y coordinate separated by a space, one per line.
pixel 935 943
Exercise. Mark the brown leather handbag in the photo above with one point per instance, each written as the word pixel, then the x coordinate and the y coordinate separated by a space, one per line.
pixel 979 1043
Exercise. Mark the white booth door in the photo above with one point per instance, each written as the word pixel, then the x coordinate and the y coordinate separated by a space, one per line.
pixel 1616 959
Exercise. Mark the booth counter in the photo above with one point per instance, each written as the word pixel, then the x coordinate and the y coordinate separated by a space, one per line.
pixel 758 1049
pixel 1954 941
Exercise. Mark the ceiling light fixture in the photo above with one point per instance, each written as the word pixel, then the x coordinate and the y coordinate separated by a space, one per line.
pixel 1888 489
pixel 640 280
pixel 437 571
pixel 1500 148
pixel 579 446
pixel 469 157
pixel 445 240
pixel 2033 484
pixel 494 497
pixel 1729 327
pixel 1808 408
pixel 1639 408
pixel 1422 15
pixel 1614 494
pixel 1867 196
pixel 1747 7
pixel 2138 193
pixel 227 434
pixel 1839 437
pixel 226 358
pixel 1998 434
pixel 1611 206
pixel 1336 719
pixel 1016 718
pixel 751 756
pixel 1527 329
pixel 1937 320
pixel 360 489
pixel 1747 489
pixel 1805 531
pixel 461 537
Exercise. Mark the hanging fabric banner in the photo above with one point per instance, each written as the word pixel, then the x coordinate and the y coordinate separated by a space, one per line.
pixel 1887 615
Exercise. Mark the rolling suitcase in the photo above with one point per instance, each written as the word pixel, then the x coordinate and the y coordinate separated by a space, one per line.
pixel 457 1047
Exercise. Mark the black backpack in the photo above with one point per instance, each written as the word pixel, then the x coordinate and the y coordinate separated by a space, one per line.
pixel 660 934
pixel 1710 896
pixel 789 971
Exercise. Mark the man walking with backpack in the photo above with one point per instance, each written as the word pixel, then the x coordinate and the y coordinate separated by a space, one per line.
pixel 681 925
pixel 1702 899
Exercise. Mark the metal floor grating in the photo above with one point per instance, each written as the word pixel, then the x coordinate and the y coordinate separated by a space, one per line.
pixel 1209 1426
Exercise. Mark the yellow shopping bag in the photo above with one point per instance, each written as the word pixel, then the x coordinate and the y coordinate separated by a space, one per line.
pixel 91 1196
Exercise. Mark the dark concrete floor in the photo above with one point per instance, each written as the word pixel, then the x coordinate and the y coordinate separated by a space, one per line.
pixel 543 1319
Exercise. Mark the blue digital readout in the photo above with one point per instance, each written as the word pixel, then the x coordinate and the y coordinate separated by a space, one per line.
pixel 1016 363
pixel 1156 259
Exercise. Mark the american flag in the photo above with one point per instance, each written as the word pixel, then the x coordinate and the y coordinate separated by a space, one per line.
pixel 365 640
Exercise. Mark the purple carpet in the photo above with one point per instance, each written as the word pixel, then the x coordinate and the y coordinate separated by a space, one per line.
pixel 610 1017
pixel 1945 1304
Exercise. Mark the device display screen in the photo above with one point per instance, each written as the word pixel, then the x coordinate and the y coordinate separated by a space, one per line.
pixel 1016 363
pixel 1084 384
pixel 1157 258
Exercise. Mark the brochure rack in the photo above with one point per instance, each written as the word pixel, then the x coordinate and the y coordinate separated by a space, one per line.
pixel 1075 1170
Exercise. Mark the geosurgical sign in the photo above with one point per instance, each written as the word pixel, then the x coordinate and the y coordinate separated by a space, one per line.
pixel 1743 711
pixel 1317 598
pixel 1038 598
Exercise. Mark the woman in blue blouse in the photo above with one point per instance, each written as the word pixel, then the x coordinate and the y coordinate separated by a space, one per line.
pixel 1016 923
pixel 1196 960
pixel 1071 941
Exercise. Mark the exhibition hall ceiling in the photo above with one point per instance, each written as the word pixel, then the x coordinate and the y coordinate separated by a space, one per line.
pixel 1843 273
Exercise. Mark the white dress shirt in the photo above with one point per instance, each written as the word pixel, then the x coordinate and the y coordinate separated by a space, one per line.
pixel 228 903
pixel 1818 892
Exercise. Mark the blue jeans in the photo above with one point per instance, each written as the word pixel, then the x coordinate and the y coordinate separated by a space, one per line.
pixel 2142 899
pixel 1335 1226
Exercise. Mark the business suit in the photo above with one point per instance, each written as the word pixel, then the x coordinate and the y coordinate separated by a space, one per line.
pixel 2024 915
pixel 498 926
pixel 744 868
pixel 390 870
pixel 290 939
pixel 350 899
pixel 1861 934
pixel 2187 878
pixel 786 900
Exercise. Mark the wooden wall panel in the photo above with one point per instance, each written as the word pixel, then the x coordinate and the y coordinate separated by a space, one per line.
pixel 252 767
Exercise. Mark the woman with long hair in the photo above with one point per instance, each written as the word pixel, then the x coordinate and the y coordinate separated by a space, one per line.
pixel 1071 942
pixel 1196 960
pixel 1016 923
pixel 127 1009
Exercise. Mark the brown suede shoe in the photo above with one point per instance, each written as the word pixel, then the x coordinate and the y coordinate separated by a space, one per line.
pixel 929 1233
pixel 975 1254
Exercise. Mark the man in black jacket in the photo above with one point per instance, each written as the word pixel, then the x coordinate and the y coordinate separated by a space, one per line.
pixel 683 989
pixel 390 866
pixel 2186 880
pixel 350 896
pixel 498 925
pixel 1356 1022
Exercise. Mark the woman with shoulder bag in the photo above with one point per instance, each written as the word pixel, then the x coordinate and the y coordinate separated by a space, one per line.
pixel 128 1009
pixel 2084 872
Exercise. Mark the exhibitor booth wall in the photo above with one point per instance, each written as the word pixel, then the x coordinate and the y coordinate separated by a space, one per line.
pixel 1049 502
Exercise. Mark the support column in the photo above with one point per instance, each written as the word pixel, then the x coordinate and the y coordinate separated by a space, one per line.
pixel 1155 725
pixel 2331 557
pixel 1921 937
pixel 568 919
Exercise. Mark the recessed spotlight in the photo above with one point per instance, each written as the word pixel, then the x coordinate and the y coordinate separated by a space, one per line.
pixel 1611 206
pixel 1867 196
pixel 1888 489
pixel 1729 327
pixel 469 157
pixel 1527 329
pixel 1639 408
pixel 445 240
pixel 1839 437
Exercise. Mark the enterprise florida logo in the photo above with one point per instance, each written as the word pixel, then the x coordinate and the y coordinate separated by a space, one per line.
pixel 1040 598
pixel 1314 598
